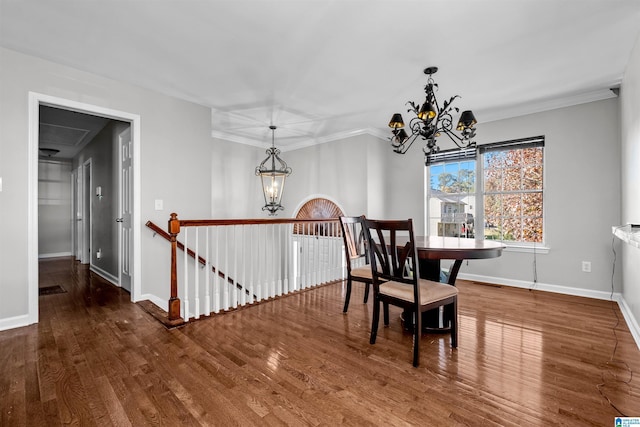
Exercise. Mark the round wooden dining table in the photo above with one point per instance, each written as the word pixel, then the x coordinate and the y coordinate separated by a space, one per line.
pixel 431 250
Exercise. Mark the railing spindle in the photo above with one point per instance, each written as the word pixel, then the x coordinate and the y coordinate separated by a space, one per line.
pixel 185 264
pixel 196 274
pixel 234 294
pixel 216 277
pixel 207 275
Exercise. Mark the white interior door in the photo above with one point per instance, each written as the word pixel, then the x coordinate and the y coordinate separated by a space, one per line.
pixel 85 218
pixel 75 215
pixel 125 209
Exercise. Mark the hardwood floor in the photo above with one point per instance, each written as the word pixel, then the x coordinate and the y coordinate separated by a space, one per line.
pixel 525 358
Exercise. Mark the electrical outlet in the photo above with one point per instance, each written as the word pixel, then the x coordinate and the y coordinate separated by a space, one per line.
pixel 586 266
pixel 159 204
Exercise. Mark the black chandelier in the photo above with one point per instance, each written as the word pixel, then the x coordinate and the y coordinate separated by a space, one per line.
pixel 273 178
pixel 431 121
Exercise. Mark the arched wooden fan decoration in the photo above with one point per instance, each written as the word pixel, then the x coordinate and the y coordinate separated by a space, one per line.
pixel 318 208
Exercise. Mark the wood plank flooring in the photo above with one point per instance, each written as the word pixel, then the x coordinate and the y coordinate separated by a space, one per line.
pixel 525 358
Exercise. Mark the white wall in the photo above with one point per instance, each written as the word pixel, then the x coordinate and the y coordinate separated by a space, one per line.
pixel 175 166
pixel 630 125
pixel 235 188
pixel 362 175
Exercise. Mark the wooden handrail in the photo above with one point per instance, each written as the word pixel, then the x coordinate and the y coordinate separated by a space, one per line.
pixel 167 236
pixel 244 221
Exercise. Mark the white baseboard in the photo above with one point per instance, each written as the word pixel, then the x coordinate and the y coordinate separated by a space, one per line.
pixel 632 323
pixel 16 322
pixel 55 255
pixel 105 275
pixel 161 303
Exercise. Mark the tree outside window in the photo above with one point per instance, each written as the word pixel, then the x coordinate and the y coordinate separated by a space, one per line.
pixel 513 188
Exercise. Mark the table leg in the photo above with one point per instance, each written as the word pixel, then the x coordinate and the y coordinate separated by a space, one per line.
pixel 430 270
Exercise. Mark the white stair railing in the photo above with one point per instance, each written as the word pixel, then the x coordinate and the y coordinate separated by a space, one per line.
pixel 232 263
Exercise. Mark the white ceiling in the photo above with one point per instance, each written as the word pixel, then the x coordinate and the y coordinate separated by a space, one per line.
pixel 67 131
pixel 323 70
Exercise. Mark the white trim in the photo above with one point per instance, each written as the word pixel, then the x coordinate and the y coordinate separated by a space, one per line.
pixel 32 212
pixel 546 104
pixel 632 323
pixel 87 217
pixel 305 141
pixel 55 255
pixel 105 275
pixel 527 249
pixel 566 290
pixel 35 100
pixel 16 322
pixel 160 302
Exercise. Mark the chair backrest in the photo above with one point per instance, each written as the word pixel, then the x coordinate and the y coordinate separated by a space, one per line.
pixel 354 239
pixel 389 261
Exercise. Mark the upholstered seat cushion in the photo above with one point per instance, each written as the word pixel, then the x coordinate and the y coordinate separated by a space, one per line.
pixel 429 291
pixel 364 272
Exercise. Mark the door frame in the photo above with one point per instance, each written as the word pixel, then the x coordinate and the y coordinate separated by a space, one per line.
pixel 86 186
pixel 35 100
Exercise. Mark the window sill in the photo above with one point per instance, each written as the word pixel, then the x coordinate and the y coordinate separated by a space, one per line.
pixel 526 249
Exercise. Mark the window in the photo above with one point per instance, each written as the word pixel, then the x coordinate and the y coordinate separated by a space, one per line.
pixel 511 184
pixel 513 190
pixel 451 195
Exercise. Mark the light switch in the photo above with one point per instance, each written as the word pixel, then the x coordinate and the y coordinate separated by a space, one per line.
pixel 159 204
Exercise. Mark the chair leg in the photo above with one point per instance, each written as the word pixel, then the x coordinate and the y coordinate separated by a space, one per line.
pixel 366 292
pixel 375 321
pixel 454 323
pixel 417 331
pixel 386 314
pixel 347 296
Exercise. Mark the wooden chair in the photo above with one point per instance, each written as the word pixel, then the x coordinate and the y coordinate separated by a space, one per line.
pixel 396 280
pixel 357 259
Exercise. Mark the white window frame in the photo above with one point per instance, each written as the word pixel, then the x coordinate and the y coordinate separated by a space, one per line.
pixel 451 155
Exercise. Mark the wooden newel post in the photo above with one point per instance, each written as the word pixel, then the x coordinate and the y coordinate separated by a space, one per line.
pixel 174 301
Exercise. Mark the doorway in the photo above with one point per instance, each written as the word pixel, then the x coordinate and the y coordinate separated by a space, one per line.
pixel 35 101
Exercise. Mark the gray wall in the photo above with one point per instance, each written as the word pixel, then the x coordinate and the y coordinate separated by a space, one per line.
pixel 103 152
pixel 581 199
pixel 175 166
pixel 630 107
pixel 54 207
pixel 582 196
pixel 199 177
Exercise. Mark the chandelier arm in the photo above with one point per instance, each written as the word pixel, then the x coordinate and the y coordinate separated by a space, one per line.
pixel 403 147
pixel 455 138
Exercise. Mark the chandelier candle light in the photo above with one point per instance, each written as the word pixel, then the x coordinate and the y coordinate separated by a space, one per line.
pixel 432 121
pixel 272 178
